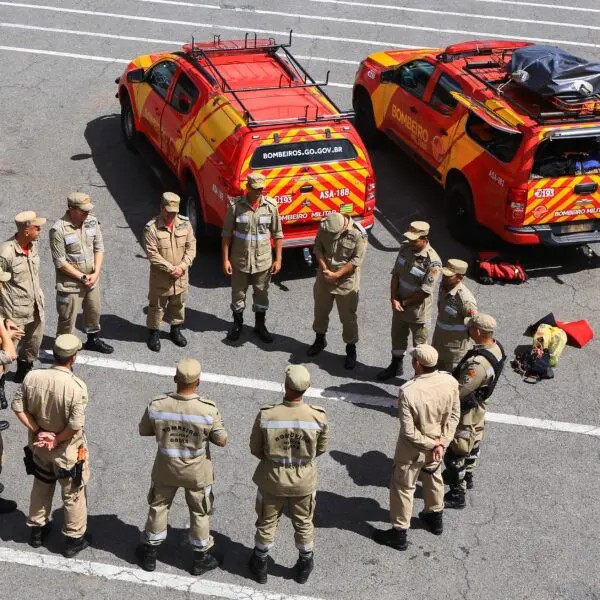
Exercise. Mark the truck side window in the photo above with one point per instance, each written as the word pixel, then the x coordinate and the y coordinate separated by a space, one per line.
pixel 498 143
pixel 414 76
pixel 441 99
pixel 161 76
pixel 184 95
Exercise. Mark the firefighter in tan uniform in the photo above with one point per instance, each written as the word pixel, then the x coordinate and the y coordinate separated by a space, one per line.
pixel 78 254
pixel 8 352
pixel 51 404
pixel 171 248
pixel 477 375
pixel 429 409
pixel 22 298
pixel 250 224
pixel 414 277
pixel 287 438
pixel 455 304
pixel 340 248
pixel 183 423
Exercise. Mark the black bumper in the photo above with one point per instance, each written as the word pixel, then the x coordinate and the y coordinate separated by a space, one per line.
pixel 550 235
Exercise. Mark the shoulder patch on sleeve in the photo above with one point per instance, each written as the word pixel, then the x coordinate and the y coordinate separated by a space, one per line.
pixel 319 408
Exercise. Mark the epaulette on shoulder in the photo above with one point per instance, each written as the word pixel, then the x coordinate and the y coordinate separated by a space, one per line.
pixel 159 397
pixel 267 406
pixel 364 234
pixel 270 201
pixel 207 401
pixel 407 384
pixel 150 223
pixel 319 408
pixel 184 218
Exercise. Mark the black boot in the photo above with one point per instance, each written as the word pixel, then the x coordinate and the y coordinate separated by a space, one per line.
pixel 23 367
pixel 75 545
pixel 393 370
pixel 394 538
pixel 3 402
pixel 469 480
pixel 455 498
pixel 203 562
pixel 153 341
pixel 95 344
pixel 236 329
pixel 177 337
pixel 304 567
pixel 258 567
pixel 434 521
pixel 147 556
pixel 318 345
pixel 37 535
pixel 350 360
pixel 261 328
pixel 7 506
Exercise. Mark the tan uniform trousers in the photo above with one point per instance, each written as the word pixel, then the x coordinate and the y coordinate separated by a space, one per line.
pixel 301 510
pixel 174 305
pixel 240 281
pixel 402 491
pixel 200 502
pixel 347 306
pixel 68 306
pixel 400 332
pixel 74 502
pixel 29 345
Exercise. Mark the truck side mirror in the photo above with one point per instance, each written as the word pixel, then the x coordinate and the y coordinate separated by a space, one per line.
pixel 136 76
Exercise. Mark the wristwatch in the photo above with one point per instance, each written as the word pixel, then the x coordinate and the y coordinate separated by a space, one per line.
pixel 83 278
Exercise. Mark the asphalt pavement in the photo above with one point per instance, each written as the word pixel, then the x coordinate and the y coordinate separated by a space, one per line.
pixel 530 528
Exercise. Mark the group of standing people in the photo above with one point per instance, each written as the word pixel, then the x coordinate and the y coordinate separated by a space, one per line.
pixel 441 409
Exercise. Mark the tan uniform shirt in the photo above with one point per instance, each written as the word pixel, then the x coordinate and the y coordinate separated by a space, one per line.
pixel 349 247
pixel 417 272
pixel 165 249
pixel 287 437
pixel 251 232
pixel 475 373
pixel 56 399
pixel 183 426
pixel 428 408
pixel 454 307
pixel 20 296
pixel 76 246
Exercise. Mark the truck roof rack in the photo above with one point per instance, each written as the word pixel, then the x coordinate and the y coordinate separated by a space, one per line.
pixel 297 76
pixel 493 74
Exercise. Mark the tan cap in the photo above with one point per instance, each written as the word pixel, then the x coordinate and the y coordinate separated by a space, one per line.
pixel 425 354
pixel 454 266
pixel 188 370
pixel 28 218
pixel 256 181
pixel 4 275
pixel 80 200
pixel 297 378
pixel 416 230
pixel 481 321
pixel 67 345
pixel 334 223
pixel 170 201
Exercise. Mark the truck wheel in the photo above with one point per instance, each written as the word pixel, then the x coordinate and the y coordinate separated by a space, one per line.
pixel 365 120
pixel 192 209
pixel 460 213
pixel 130 134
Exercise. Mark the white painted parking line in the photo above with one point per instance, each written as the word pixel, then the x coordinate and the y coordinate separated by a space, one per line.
pixel 447 13
pixel 541 5
pixel 130 38
pixel 327 394
pixel 339 19
pixel 214 26
pixel 189 585
pixel 103 58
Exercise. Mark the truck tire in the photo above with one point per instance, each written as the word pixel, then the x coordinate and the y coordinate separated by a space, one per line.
pixel 130 134
pixel 460 213
pixel 365 120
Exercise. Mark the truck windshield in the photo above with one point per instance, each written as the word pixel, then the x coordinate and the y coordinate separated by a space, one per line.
pixel 567 158
pixel 303 153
